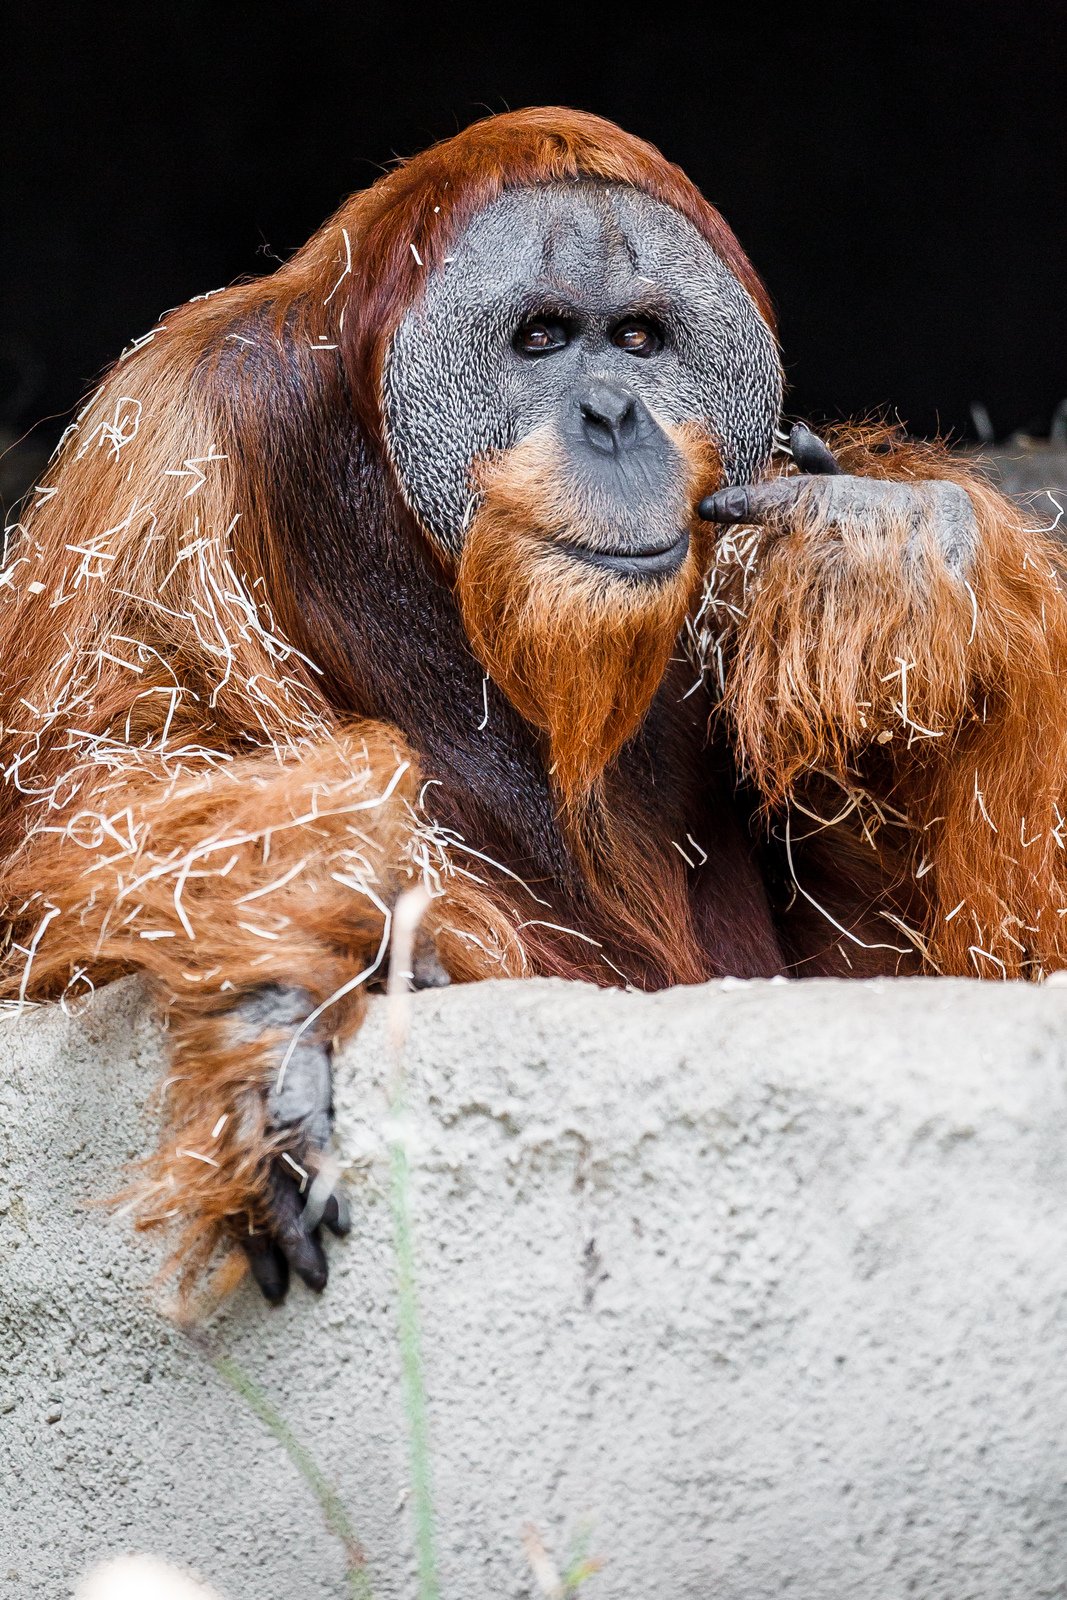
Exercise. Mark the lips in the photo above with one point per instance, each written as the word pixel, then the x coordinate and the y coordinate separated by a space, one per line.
pixel 657 561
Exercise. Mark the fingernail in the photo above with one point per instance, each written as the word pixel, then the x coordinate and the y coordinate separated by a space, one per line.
pixel 737 502
pixel 725 503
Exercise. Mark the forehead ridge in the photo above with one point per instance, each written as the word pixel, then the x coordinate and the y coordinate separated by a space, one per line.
pixel 571 231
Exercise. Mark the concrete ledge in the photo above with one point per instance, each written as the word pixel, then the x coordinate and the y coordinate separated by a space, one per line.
pixel 763 1284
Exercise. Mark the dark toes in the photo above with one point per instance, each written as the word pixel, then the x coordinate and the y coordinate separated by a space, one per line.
pixel 336 1215
pixel 268 1266
pixel 300 1247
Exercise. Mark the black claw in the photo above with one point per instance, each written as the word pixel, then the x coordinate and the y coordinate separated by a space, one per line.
pixel 301 1248
pixel 268 1266
pixel 308 1261
pixel 725 505
pixel 336 1215
pixel 810 455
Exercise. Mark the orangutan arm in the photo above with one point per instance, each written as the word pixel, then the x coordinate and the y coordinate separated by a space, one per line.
pixel 257 900
pixel 905 633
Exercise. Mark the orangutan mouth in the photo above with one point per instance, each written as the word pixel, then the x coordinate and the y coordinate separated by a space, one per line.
pixel 657 561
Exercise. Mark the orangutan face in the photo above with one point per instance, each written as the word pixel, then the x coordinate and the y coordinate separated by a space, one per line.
pixel 595 321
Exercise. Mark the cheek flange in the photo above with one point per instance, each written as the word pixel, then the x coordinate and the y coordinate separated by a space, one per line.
pixel 445 404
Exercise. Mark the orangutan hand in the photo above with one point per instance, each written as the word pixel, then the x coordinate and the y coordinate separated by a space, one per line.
pixel 825 497
pixel 303 1197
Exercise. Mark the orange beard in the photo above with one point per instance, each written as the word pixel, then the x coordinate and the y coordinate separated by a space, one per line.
pixel 579 652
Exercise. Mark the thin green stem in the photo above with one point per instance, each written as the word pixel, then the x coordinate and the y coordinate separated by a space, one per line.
pixel 333 1511
pixel 412 1368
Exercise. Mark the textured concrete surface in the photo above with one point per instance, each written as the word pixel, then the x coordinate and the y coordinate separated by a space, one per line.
pixel 763 1286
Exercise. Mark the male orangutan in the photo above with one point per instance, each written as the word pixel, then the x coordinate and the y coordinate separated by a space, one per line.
pixel 460 552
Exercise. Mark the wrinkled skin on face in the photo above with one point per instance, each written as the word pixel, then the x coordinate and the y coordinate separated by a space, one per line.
pixel 597 315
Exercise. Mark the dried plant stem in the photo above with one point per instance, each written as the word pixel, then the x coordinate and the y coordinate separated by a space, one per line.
pixel 407 915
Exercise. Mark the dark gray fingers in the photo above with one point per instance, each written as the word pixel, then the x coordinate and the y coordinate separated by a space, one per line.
pixel 267 1264
pixel 764 502
pixel 809 453
pixel 286 1245
pixel 931 512
pixel 291 1241
pixel 831 501
pixel 301 1197
pixel 775 502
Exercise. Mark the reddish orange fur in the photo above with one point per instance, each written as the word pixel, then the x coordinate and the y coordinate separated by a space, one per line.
pixel 154 651
pixel 155 699
pixel 814 686
pixel 579 657
pixel 207 906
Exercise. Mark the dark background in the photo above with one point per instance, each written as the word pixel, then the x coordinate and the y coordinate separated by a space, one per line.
pixel 897 177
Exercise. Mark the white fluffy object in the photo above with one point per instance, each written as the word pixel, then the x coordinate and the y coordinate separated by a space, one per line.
pixel 141 1578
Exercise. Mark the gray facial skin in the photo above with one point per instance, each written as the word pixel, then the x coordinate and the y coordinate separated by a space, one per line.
pixel 590 255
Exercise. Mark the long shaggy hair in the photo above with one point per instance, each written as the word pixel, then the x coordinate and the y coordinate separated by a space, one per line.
pixel 196 665
pixel 224 645
pixel 580 654
pixel 170 598
pixel 860 656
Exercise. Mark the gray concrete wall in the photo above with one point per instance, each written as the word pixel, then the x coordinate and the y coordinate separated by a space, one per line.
pixel 764 1285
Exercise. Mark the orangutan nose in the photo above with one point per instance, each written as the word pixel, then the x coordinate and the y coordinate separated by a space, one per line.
pixel 610 417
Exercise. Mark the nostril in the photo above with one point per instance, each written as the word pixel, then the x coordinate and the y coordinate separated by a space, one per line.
pixel 609 417
pixel 598 430
pixel 626 426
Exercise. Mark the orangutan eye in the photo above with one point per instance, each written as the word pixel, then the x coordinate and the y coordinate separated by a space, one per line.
pixel 637 338
pixel 540 337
